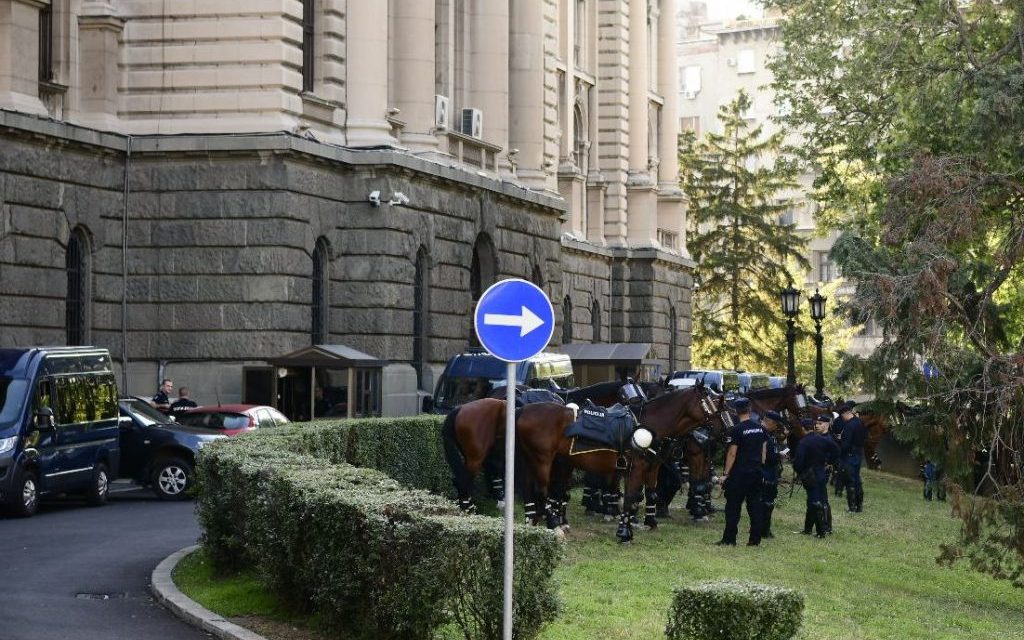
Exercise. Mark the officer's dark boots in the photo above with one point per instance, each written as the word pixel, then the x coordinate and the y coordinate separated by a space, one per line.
pixel 808 521
pixel 766 530
pixel 851 500
pixel 819 519
pixel 828 519
pixel 860 499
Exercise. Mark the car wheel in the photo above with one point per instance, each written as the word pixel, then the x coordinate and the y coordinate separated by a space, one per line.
pixel 27 504
pixel 99 488
pixel 172 478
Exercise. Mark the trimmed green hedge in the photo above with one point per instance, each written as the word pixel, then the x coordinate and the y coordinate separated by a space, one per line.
pixel 734 610
pixel 373 557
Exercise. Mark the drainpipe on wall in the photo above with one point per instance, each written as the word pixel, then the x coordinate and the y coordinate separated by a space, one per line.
pixel 124 270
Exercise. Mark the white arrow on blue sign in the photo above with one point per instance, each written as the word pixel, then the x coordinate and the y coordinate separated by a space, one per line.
pixel 514 320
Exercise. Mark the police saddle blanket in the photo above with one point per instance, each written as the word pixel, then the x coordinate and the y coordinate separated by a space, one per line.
pixel 600 429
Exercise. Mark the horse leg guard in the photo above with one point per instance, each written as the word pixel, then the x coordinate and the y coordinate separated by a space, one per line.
pixel 551 513
pixel 531 512
pixel 588 500
pixel 625 531
pixel 466 504
pixel 611 503
pixel 650 514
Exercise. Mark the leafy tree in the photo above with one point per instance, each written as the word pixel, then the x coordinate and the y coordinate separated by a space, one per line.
pixel 733 180
pixel 914 114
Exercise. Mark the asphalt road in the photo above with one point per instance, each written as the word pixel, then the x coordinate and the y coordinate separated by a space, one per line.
pixel 78 573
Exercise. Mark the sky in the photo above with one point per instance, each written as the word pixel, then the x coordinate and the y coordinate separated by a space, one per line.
pixel 729 9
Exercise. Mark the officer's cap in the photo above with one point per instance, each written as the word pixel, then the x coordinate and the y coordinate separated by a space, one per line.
pixel 824 418
pixel 774 415
pixel 741 404
pixel 847 406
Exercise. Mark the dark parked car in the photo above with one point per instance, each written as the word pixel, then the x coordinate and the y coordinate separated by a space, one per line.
pixel 232 419
pixel 158 452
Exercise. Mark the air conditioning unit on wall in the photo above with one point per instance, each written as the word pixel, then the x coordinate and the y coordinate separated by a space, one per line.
pixel 441 110
pixel 473 123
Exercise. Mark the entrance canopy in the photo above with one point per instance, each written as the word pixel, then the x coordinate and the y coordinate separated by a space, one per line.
pixel 328 380
pixel 327 356
pixel 604 361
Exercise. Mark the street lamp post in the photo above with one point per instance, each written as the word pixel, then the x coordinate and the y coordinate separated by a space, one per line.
pixel 790 307
pixel 818 314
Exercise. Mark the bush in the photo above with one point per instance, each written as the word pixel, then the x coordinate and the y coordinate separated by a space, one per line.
pixel 734 610
pixel 373 557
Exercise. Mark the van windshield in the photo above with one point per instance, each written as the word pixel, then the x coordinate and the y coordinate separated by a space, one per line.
pixel 455 391
pixel 13 392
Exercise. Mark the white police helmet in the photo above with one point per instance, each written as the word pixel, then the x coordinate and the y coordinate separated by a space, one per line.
pixel 642 438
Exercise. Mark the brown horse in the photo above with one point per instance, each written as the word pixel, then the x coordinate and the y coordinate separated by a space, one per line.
pixel 469 435
pixel 673 415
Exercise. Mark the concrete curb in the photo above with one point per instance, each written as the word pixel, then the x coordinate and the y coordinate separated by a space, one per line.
pixel 167 594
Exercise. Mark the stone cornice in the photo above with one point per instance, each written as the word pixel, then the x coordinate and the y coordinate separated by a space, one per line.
pixel 281 142
pixel 627 253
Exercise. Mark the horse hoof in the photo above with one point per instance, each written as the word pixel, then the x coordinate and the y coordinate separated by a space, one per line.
pixel 565 528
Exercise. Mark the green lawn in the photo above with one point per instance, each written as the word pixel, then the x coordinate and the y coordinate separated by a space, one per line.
pixel 875 578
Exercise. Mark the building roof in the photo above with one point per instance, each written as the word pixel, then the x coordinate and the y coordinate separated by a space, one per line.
pixel 327 356
pixel 610 353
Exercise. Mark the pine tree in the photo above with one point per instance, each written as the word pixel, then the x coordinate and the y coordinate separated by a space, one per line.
pixel 733 180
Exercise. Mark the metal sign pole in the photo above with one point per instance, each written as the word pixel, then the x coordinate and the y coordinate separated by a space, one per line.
pixel 510 449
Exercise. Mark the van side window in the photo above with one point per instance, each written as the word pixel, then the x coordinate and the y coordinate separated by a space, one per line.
pixel 85 398
pixel 44 395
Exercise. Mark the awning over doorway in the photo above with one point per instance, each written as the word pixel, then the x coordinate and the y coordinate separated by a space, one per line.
pixel 327 356
pixel 627 353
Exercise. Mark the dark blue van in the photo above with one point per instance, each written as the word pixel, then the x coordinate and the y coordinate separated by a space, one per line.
pixel 474 374
pixel 58 425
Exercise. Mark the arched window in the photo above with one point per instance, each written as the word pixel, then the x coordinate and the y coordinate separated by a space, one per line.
pixel 673 337
pixel 595 321
pixel 321 293
pixel 420 316
pixel 580 144
pixel 537 277
pixel 482 273
pixel 79 294
pixel 567 320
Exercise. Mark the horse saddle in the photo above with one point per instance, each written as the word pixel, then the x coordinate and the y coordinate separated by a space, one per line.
pixel 598 428
pixel 531 396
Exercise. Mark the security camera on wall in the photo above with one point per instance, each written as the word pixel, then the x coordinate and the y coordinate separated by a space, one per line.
pixel 374 198
pixel 398 198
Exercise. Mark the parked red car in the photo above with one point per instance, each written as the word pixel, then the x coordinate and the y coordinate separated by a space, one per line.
pixel 232 419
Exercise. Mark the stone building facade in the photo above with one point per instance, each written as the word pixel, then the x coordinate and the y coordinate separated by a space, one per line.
pixel 202 186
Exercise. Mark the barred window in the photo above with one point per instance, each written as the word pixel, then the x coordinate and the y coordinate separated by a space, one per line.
pixel 76 306
pixel 420 313
pixel 321 293
pixel 595 321
pixel 567 320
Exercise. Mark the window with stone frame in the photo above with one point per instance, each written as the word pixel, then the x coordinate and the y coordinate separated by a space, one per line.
pixel 581 40
pixel 320 307
pixel 79 288
pixel 420 318
pixel 46 67
pixel 567 320
pixel 308 47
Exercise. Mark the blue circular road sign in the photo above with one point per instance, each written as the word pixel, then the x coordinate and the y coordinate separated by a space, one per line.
pixel 514 320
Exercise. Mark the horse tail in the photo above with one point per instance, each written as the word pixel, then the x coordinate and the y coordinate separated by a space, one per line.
pixel 452 451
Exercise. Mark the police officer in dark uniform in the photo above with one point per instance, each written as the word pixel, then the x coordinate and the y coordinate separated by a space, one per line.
pixel 855 435
pixel 815 451
pixel 773 424
pixel 743 477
